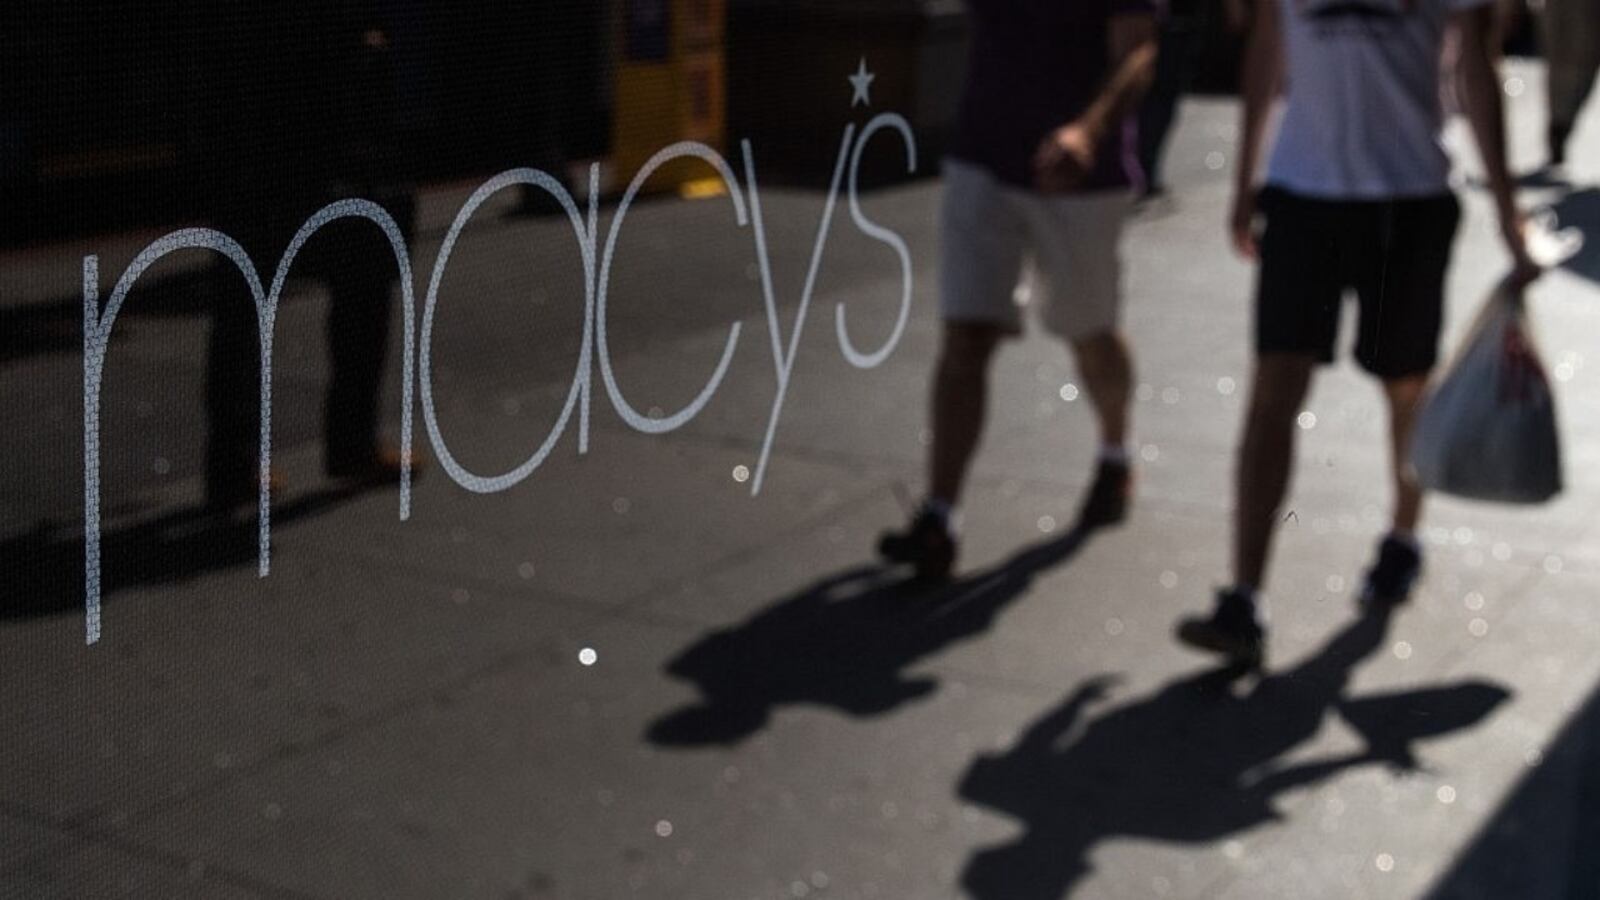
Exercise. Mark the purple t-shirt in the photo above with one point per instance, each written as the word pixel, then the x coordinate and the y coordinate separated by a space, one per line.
pixel 1034 66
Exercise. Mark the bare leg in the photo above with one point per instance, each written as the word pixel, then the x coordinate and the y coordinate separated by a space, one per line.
pixel 960 400
pixel 1107 370
pixel 1266 457
pixel 1405 395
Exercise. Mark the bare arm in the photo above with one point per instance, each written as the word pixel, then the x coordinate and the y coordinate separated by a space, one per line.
pixel 1486 111
pixel 1260 82
pixel 1067 155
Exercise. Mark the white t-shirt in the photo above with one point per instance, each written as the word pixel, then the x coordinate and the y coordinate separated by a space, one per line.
pixel 1362 117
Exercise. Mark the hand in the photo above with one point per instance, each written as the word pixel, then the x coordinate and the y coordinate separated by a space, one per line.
pixel 1064 159
pixel 1242 223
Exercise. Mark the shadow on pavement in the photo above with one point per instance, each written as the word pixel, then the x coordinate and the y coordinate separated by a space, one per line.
pixel 1580 209
pixel 1544 840
pixel 55 326
pixel 1193 763
pixel 46 564
pixel 844 642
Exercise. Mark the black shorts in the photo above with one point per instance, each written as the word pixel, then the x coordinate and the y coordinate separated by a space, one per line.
pixel 1393 253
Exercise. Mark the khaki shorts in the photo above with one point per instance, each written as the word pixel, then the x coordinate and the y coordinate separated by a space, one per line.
pixel 1004 248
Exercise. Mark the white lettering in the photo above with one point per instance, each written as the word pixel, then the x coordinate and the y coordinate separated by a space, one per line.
pixel 97 325
pixel 874 230
pixel 579 393
pixel 663 424
pixel 784 362
pixel 97 328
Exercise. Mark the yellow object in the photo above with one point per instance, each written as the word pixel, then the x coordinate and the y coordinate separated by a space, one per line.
pixel 702 188
pixel 669 87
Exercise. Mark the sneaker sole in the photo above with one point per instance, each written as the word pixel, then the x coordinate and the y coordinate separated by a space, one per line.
pixel 925 569
pixel 1243 653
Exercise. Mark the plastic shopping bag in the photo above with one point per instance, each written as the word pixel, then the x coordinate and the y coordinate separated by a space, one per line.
pixel 1488 429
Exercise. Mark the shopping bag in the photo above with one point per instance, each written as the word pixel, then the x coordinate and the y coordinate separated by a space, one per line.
pixel 1487 430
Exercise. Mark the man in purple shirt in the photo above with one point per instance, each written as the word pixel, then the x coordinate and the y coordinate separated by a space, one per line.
pixel 1037 187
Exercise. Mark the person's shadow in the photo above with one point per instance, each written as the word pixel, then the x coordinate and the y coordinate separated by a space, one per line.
pixel 46 564
pixel 844 642
pixel 1193 762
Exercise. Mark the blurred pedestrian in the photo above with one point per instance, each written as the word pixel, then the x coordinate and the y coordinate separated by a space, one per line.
pixel 1039 179
pixel 1357 197
pixel 292 111
pixel 1571 30
pixel 1182 28
pixel 1185 26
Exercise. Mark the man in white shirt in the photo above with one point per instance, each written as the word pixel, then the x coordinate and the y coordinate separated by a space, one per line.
pixel 1357 197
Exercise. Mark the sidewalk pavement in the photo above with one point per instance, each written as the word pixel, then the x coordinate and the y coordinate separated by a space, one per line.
pixel 627 676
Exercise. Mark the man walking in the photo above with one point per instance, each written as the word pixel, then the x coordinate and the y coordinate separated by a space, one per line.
pixel 1041 175
pixel 1572 51
pixel 1357 197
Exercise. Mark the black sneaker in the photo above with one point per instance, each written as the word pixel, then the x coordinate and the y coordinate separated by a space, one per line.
pixel 1231 630
pixel 1392 577
pixel 925 544
pixel 1107 502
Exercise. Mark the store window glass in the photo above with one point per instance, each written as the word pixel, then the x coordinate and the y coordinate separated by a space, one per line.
pixel 796 448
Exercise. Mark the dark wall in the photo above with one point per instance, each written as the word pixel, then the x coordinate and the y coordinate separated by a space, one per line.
pixel 136 114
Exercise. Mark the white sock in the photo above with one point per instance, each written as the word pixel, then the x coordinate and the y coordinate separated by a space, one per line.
pixel 1116 454
pixel 1408 538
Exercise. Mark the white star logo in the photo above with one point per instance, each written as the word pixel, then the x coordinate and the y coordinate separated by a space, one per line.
pixel 861 84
